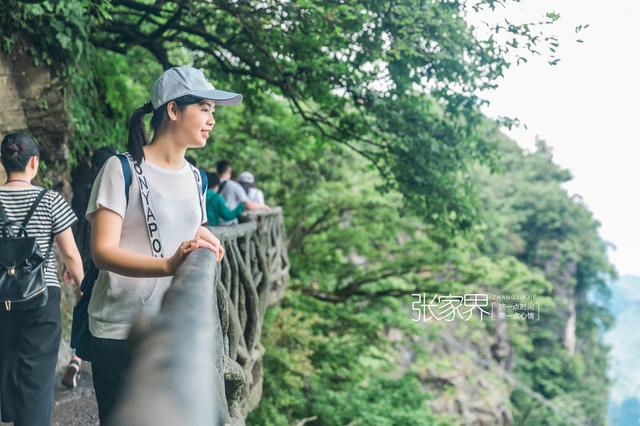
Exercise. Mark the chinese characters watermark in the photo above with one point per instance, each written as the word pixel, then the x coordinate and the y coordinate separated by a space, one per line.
pixel 451 307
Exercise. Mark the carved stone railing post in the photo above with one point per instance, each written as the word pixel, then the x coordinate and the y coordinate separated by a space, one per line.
pixel 254 275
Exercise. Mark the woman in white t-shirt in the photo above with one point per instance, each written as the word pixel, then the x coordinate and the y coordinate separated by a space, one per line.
pixel 133 277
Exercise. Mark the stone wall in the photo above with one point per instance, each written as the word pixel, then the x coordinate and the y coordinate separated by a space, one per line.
pixel 33 100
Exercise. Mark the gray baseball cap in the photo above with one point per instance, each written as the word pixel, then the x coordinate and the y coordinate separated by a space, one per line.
pixel 185 80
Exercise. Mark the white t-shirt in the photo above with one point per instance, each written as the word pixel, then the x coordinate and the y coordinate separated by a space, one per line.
pixel 256 195
pixel 117 300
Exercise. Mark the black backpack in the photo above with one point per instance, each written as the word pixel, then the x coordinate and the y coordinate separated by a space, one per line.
pixel 22 283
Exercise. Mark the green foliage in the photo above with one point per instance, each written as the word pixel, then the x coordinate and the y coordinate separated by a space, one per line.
pixel 350 246
pixel 100 106
pixel 56 33
pixel 395 83
pixel 529 215
pixel 331 363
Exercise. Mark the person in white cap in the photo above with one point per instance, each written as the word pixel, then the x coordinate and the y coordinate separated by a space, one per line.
pixel 247 181
pixel 138 252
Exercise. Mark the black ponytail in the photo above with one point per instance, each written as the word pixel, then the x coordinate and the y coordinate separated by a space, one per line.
pixel 137 134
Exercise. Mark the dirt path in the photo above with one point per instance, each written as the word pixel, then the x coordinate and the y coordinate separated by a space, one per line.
pixel 76 407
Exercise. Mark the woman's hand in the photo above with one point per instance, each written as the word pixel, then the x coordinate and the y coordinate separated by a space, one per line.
pixel 206 235
pixel 107 254
pixel 183 250
pixel 67 278
pixel 73 270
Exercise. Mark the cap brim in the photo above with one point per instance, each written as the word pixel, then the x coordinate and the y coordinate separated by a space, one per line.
pixel 220 96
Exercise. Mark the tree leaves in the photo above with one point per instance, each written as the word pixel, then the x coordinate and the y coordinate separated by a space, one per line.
pixel 319 56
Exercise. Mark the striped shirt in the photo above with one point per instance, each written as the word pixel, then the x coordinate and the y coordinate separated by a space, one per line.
pixel 52 216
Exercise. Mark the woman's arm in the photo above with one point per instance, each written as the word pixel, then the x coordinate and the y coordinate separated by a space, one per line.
pixel 70 255
pixel 107 254
pixel 255 206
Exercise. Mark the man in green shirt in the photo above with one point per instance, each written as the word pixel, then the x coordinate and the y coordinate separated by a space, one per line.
pixel 217 209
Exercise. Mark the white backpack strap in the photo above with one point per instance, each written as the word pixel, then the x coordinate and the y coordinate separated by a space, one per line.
pixel 147 208
pixel 198 178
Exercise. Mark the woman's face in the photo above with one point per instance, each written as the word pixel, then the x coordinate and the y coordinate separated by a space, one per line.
pixel 195 123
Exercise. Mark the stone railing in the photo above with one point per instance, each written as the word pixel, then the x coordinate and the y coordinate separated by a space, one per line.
pixel 254 275
pixel 178 354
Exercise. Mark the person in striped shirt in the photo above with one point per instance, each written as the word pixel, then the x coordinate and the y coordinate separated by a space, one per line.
pixel 30 339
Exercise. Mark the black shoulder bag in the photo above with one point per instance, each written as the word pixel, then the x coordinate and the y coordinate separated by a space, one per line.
pixel 22 283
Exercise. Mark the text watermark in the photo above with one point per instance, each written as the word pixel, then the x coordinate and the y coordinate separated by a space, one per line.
pixel 451 307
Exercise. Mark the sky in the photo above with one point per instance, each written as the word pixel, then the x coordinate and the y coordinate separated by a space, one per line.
pixel 586 109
